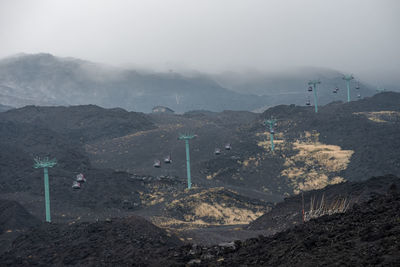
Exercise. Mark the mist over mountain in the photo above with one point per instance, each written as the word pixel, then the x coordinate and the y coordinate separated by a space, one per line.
pixel 43 79
pixel 289 86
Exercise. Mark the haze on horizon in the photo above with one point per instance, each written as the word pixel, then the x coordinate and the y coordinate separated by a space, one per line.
pixel 355 36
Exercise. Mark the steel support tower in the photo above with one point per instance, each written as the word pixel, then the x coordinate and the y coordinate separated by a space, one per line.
pixel 314 83
pixel 46 163
pixel 348 78
pixel 186 138
pixel 270 124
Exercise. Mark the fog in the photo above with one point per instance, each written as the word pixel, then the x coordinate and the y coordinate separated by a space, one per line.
pixel 354 36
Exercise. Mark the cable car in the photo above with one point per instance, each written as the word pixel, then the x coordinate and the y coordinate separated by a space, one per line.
pixel 217 151
pixel 308 102
pixel 358 96
pixel 358 86
pixel 80 178
pixel 310 89
pixel 272 131
pixel 168 159
pixel 276 124
pixel 157 164
pixel 228 146
pixel 76 185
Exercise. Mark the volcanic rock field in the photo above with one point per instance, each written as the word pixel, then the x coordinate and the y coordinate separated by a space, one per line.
pixel 339 167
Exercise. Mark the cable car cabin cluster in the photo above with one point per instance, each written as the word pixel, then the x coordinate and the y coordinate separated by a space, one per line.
pixel 167 160
pixel 80 179
pixel 227 146
pixel 336 90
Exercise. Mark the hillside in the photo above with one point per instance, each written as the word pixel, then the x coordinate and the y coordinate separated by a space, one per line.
pixel 14 220
pixel 344 141
pixel 289 86
pixel 115 149
pixel 288 213
pixel 43 79
pixel 82 123
pixel 368 234
pixel 131 240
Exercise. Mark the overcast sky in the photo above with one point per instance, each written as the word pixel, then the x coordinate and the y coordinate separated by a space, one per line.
pixel 358 36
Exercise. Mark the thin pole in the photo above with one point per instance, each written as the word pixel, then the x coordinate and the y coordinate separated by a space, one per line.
pixel 315 98
pixel 348 90
pixel 314 84
pixel 271 122
pixel 348 78
pixel 189 180
pixel 47 194
pixel 271 136
pixel 302 204
pixel 272 141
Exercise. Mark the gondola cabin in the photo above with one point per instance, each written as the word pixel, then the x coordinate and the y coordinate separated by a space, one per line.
pixel 157 164
pixel 217 151
pixel 168 159
pixel 80 178
pixel 76 185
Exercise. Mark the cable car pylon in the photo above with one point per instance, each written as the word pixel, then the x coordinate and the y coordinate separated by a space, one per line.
pixel 348 78
pixel 314 83
pixel 45 163
pixel 271 123
pixel 186 138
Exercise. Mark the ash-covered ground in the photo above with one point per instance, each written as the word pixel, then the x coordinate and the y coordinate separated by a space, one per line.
pixel 242 193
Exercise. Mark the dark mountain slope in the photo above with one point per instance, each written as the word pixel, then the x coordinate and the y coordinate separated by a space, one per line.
pixel 114 242
pixel 344 141
pixel 368 234
pixel 14 217
pixel 82 123
pixel 14 220
pixel 370 127
pixel 288 213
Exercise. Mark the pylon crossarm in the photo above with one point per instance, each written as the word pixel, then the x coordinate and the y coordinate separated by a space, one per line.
pixel 44 162
pixel 186 136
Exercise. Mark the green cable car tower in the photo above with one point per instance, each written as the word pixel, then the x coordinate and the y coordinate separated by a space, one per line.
pixel 187 137
pixel 271 123
pixel 314 83
pixel 45 163
pixel 348 78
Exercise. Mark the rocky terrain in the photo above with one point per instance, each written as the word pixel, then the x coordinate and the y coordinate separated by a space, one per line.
pixel 368 234
pixel 344 141
pixel 130 240
pixel 14 220
pixel 288 213
pixel 242 193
